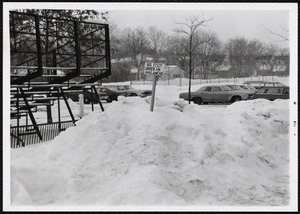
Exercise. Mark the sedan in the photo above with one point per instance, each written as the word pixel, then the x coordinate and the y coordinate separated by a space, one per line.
pixel 113 91
pixel 215 94
pixel 88 96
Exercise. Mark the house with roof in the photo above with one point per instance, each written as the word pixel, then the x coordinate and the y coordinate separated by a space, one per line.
pixel 262 65
pixel 274 65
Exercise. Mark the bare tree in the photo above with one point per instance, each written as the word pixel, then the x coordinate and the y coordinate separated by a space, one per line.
pixel 237 49
pixel 115 40
pixel 281 35
pixel 129 42
pixel 208 53
pixel 189 30
pixel 255 50
pixel 271 50
pixel 142 46
pixel 157 39
pixel 135 43
pixel 175 53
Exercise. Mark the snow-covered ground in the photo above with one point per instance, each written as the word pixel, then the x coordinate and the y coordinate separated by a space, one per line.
pixel 180 156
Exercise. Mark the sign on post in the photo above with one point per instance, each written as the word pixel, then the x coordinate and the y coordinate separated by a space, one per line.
pixel 153 68
pixel 156 70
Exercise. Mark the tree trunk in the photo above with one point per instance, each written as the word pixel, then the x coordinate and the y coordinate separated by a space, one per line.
pixel 190 66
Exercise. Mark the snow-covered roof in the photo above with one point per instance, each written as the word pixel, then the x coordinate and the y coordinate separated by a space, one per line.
pixel 223 68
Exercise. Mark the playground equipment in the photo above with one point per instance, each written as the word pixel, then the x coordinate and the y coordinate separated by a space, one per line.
pixel 51 57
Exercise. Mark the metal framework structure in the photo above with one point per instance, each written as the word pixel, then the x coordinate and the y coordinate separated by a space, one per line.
pixel 46 54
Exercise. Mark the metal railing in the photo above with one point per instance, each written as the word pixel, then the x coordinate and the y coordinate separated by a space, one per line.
pixel 41 46
pixel 26 134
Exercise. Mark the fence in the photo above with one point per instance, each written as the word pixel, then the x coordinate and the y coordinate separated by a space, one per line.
pixel 185 81
pixel 27 136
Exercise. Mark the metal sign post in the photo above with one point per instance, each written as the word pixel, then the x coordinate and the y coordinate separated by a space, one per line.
pixel 153 92
pixel 155 69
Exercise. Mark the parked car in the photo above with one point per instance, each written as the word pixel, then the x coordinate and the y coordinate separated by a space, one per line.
pixel 235 87
pixel 248 87
pixel 113 91
pixel 260 84
pixel 88 96
pixel 254 84
pixel 215 93
pixel 107 94
pixel 273 93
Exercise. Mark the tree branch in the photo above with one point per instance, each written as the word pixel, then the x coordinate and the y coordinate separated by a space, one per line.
pixel 185 48
pixel 276 34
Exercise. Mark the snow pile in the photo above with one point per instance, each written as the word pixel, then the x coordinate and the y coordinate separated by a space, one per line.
pixel 176 155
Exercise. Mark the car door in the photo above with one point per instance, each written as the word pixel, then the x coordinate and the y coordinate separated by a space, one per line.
pixel 274 93
pixel 206 94
pixel 261 93
pixel 270 93
pixel 218 94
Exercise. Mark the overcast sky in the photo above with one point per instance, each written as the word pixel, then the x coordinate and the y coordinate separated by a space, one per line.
pixel 230 20
pixel 226 23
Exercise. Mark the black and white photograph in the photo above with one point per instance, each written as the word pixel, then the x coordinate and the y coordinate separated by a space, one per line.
pixel 150 106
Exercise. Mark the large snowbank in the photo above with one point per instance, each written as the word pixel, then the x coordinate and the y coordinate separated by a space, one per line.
pixel 177 155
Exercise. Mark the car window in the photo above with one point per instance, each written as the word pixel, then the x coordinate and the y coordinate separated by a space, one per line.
pixel 235 87
pixel 250 87
pixel 207 89
pixel 226 88
pixel 262 91
pixel 273 91
pixel 121 88
pixel 286 91
pixel 128 87
pixel 215 89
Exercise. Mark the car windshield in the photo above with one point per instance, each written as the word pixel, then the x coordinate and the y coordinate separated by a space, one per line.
pixel 244 87
pixel 250 87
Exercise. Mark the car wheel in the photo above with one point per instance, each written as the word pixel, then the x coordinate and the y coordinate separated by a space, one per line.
pixel 235 99
pixel 197 100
